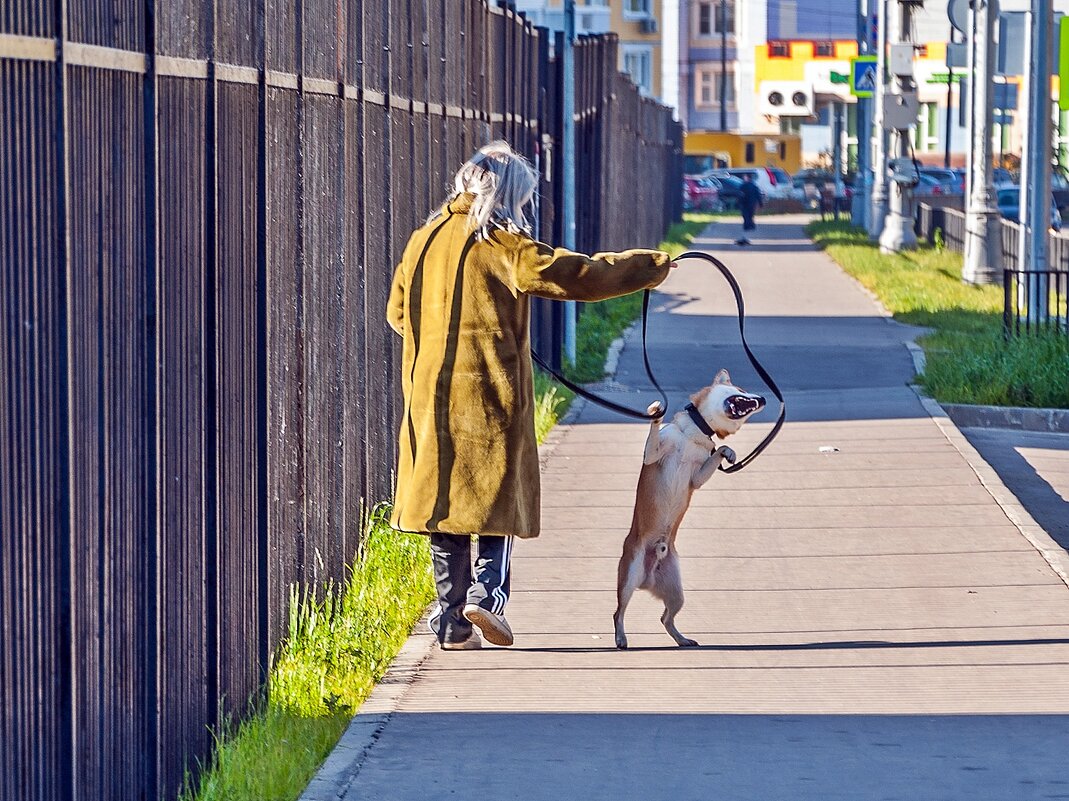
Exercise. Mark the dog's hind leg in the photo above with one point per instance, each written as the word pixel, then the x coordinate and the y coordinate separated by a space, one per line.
pixel 629 575
pixel 670 589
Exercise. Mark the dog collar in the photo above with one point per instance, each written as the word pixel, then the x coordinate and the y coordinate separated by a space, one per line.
pixel 699 421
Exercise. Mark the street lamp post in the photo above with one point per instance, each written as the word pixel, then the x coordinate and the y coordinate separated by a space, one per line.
pixel 982 239
pixel 1034 241
pixel 879 133
pixel 723 65
pixel 568 165
pixel 898 232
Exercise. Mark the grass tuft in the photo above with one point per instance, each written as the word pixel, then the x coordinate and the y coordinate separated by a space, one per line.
pixel 340 641
pixel 968 360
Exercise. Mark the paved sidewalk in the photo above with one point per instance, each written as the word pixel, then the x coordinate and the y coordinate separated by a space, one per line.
pixel 872 624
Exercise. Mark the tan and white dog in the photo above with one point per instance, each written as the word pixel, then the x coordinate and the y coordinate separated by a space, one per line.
pixel 678 459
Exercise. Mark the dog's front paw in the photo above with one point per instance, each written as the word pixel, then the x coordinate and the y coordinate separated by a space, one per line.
pixel 621 642
pixel 688 643
pixel 726 453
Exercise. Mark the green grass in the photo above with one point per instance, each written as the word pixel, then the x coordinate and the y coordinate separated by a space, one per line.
pixel 968 360
pixel 339 643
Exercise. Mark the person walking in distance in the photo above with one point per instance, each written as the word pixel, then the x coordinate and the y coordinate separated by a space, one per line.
pixel 467 455
pixel 749 202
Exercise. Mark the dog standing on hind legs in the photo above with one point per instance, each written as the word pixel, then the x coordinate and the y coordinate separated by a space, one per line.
pixel 678 459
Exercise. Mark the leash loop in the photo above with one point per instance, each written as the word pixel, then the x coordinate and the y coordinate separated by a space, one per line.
pixel 608 404
pixel 741 463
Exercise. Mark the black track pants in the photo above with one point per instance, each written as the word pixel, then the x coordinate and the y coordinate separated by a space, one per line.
pixel 488 588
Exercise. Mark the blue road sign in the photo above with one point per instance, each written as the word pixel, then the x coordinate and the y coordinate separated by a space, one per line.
pixel 863 76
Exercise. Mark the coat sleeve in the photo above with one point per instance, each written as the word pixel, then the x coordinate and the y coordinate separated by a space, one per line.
pixel 395 307
pixel 560 274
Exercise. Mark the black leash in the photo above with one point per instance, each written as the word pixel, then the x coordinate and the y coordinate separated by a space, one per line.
pixel 624 410
pixel 608 404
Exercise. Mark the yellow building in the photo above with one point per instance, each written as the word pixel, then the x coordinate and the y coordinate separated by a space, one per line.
pixel 704 150
pixel 636 23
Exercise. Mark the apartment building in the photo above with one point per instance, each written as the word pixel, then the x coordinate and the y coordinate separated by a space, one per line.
pixel 637 24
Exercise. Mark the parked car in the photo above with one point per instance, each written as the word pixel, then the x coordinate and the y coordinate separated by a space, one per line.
pixel 1009 206
pixel 730 191
pixel 807 185
pixel 1059 187
pixel 768 181
pixel 929 187
pixel 1002 177
pixel 949 180
pixel 701 192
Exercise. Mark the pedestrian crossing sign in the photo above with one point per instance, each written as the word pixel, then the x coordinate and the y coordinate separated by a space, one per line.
pixel 863 76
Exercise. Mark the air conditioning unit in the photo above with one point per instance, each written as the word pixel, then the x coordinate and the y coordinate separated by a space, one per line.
pixel 785 99
pixel 649 25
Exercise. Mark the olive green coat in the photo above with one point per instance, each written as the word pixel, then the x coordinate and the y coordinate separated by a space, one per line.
pixel 467 457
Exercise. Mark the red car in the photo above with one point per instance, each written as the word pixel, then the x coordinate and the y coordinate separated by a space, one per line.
pixel 701 193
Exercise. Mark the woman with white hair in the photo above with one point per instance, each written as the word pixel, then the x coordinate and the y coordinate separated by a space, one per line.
pixel 467 456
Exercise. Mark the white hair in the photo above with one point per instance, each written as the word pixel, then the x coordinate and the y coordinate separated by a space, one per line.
pixel 503 183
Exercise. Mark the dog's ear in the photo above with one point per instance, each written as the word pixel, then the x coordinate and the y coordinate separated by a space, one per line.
pixel 722 378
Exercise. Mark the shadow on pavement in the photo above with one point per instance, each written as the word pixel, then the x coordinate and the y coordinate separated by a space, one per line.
pixel 698 757
pixel 1034 466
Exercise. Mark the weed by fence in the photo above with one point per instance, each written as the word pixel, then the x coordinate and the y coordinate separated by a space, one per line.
pixel 202 204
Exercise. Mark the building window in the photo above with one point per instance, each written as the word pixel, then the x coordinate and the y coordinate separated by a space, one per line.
pixel 710 83
pixel 779 49
pixel 716 17
pixel 749 152
pixel 824 49
pixel 926 131
pixel 635 9
pixel 638 63
pixel 790 125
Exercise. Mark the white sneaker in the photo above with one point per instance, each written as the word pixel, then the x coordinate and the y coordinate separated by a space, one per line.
pixel 494 627
pixel 473 643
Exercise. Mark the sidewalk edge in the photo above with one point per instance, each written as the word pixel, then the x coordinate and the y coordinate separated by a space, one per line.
pixel 1054 555
pixel 340 769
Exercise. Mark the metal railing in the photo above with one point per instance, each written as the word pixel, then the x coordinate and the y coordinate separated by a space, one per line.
pixel 1034 301
pixel 202 206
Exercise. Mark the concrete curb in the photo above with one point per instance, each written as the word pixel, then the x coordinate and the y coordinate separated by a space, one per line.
pixel 969 415
pixel 1055 556
pixel 1025 419
pixel 342 765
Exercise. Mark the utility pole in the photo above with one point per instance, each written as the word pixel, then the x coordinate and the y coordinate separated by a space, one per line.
pixel 723 65
pixel 1034 241
pixel 568 165
pixel 837 152
pixel 859 209
pixel 898 226
pixel 982 232
pixel 950 97
pixel 879 132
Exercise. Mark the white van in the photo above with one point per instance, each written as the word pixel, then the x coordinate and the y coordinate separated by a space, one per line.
pixel 774 182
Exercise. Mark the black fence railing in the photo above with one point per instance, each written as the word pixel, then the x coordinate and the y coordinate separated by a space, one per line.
pixel 201 207
pixel 1035 301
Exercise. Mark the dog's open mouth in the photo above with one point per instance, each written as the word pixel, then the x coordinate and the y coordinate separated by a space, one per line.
pixel 738 406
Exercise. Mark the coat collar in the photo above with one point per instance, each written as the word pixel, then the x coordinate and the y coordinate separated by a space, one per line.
pixel 461 204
